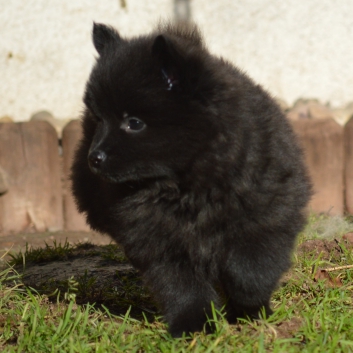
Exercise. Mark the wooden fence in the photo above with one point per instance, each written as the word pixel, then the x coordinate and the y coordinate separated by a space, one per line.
pixel 37 170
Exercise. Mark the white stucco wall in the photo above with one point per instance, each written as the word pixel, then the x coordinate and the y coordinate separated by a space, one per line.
pixel 295 48
pixel 46 51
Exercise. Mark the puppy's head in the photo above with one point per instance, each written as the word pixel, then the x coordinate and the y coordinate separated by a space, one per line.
pixel 147 113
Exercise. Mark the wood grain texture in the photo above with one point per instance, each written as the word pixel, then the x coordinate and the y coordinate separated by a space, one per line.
pixel 73 220
pixel 322 140
pixel 30 157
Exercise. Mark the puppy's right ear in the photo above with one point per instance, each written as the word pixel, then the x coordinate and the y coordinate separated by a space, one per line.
pixel 170 60
pixel 103 36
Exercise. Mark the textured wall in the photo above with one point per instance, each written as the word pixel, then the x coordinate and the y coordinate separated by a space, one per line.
pixel 46 51
pixel 295 48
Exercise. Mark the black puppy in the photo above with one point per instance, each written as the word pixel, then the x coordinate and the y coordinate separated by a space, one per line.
pixel 193 169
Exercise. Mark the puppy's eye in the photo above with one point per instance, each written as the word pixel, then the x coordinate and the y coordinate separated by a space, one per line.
pixel 133 125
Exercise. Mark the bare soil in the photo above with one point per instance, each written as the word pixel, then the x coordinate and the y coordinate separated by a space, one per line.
pixel 327 249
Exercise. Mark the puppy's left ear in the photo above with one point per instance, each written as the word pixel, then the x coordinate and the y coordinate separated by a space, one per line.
pixel 172 63
pixel 103 36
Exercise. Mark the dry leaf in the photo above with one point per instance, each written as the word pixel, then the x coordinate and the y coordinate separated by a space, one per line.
pixel 323 275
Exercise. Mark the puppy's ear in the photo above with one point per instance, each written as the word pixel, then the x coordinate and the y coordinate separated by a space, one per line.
pixel 103 35
pixel 170 60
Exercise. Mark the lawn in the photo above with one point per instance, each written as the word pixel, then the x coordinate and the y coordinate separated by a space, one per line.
pixel 85 298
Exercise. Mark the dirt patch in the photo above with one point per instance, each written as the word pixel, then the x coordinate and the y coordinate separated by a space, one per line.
pixel 288 329
pixel 327 249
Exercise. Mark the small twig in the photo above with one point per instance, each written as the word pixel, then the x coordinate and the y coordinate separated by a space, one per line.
pixel 337 268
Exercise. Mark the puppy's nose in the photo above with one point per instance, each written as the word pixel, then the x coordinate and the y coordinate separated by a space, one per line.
pixel 96 158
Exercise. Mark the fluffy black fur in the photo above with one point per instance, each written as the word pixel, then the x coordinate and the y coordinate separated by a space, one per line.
pixel 193 169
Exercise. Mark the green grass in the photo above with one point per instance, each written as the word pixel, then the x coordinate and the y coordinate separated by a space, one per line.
pixel 58 251
pixel 309 316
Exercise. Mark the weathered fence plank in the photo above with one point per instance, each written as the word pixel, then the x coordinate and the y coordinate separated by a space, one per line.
pixel 348 172
pixel 322 140
pixel 35 199
pixel 72 219
pixel 30 158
